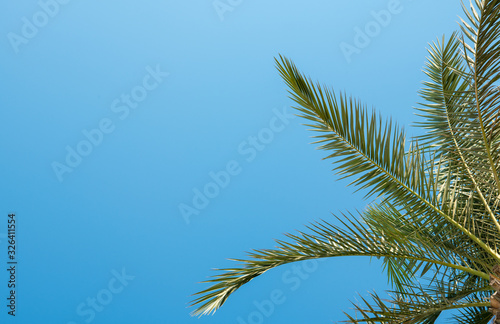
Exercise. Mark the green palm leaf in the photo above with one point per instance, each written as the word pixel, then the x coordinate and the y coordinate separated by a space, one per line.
pixel 482 52
pixel 327 240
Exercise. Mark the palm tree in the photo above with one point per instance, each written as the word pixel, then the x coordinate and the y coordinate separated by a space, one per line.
pixel 435 219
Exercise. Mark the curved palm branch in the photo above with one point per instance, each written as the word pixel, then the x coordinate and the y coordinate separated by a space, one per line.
pixel 482 53
pixel 327 240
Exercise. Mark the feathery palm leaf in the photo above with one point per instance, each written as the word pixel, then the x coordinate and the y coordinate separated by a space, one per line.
pixel 482 53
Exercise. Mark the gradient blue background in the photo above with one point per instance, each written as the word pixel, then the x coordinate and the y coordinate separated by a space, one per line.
pixel 120 207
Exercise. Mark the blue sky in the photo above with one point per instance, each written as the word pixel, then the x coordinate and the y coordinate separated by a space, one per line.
pixel 116 114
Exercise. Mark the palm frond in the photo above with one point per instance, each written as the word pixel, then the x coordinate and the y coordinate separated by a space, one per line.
pixel 448 118
pixel 482 52
pixel 327 240
pixel 446 98
pixel 374 152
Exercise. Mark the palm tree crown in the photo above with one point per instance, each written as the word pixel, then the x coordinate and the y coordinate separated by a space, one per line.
pixel 436 220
